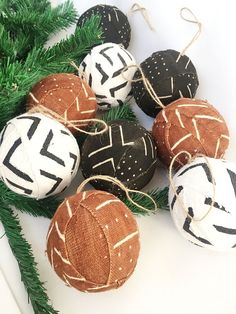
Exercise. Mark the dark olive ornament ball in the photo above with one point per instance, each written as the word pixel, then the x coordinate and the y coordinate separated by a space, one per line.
pixel 171 78
pixel 114 23
pixel 125 151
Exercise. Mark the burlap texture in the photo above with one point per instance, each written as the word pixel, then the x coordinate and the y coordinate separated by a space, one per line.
pixel 189 125
pixel 97 239
pixel 67 95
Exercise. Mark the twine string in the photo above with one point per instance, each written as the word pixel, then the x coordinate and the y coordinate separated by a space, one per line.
pixel 123 187
pixel 172 185
pixel 75 66
pixel 136 7
pixel 75 124
pixel 194 20
pixel 146 83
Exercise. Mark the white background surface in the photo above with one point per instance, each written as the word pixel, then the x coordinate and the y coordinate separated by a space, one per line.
pixel 172 276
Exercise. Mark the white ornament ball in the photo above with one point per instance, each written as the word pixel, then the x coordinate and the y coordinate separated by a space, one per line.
pixel 214 228
pixel 102 69
pixel 39 157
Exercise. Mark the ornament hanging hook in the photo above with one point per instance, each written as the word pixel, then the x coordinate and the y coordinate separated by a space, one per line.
pixel 123 187
pixel 178 198
pixel 193 20
pixel 136 7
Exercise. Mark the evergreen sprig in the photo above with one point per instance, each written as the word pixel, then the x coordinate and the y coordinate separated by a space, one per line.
pixel 159 196
pixel 17 78
pixel 43 208
pixel 24 25
pixel 25 259
pixel 124 112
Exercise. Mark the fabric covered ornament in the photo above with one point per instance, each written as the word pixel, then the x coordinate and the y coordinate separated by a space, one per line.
pixel 126 151
pixel 171 77
pixel 93 241
pixel 114 23
pixel 190 125
pixel 107 73
pixel 207 189
pixel 39 157
pixel 67 95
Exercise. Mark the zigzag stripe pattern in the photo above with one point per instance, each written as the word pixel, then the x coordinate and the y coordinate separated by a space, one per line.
pixel 38 156
pixel 103 70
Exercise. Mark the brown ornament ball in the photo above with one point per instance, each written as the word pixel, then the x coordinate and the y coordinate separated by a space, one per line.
pixel 93 241
pixel 190 125
pixel 67 95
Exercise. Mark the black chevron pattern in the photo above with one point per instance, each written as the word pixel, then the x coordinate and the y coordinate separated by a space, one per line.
pixel 105 77
pixel 22 177
pixel 53 177
pixel 118 72
pixel 187 227
pixel 44 151
pixel 115 89
pixel 7 162
pixel 20 187
pixel 233 179
pixel 33 126
pixel 102 52
pixel 103 70
pixel 204 167
pixel 74 157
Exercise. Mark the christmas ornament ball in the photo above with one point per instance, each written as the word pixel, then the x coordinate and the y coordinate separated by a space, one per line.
pixel 39 157
pixel 171 78
pixel 67 95
pixel 213 228
pixel 107 70
pixel 93 241
pixel 191 125
pixel 125 151
pixel 114 23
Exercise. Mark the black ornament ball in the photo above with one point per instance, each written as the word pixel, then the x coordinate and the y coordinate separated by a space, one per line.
pixel 171 78
pixel 126 151
pixel 115 24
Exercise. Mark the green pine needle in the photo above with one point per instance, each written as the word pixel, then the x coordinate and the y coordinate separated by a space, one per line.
pixel 25 259
pixel 29 24
pixel 124 112
pixel 17 78
pixel 43 208
pixel 159 196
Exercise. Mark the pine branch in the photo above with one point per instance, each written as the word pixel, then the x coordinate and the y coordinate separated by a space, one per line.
pixel 43 208
pixel 124 112
pixel 160 197
pixel 34 23
pixel 25 259
pixel 17 79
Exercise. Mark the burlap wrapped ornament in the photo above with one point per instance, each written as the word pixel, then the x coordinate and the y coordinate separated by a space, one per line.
pixel 171 78
pixel 39 157
pixel 126 151
pixel 67 95
pixel 114 23
pixel 93 241
pixel 107 73
pixel 207 188
pixel 190 125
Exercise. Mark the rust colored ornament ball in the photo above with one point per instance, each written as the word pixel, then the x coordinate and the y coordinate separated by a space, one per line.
pixel 190 125
pixel 67 95
pixel 93 241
